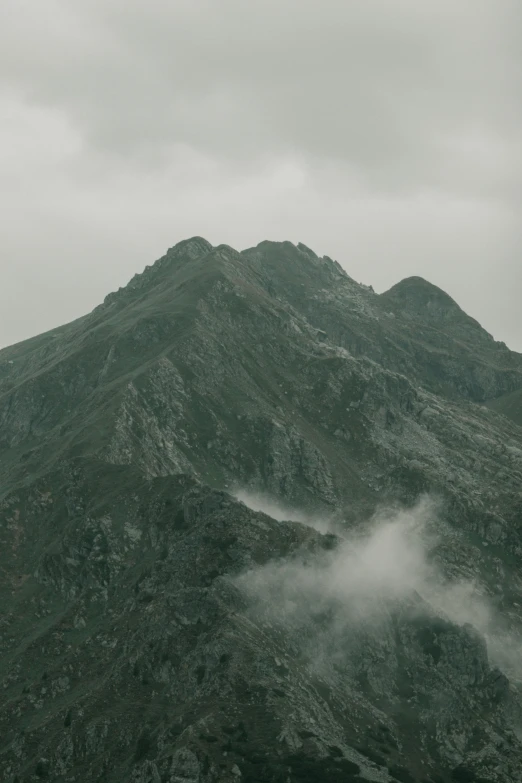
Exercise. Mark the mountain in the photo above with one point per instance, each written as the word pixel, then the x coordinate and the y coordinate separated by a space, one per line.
pixel 509 405
pixel 260 523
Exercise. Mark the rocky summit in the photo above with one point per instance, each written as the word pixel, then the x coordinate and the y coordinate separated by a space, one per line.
pixel 259 524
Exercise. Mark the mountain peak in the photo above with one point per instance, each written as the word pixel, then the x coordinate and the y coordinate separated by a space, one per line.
pixel 187 249
pixel 416 297
pixel 416 290
pixel 193 247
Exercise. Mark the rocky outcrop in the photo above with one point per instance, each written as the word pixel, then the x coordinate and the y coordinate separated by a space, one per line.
pixel 136 648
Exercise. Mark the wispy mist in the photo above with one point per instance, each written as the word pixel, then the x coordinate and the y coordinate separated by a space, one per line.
pixel 259 501
pixel 376 566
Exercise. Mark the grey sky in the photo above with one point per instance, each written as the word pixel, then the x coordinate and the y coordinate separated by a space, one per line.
pixel 384 133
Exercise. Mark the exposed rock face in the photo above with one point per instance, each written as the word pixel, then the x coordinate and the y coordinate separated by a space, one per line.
pixel 155 628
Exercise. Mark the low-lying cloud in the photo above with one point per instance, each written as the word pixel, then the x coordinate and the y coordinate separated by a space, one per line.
pixel 387 558
pixel 375 567
pixel 259 501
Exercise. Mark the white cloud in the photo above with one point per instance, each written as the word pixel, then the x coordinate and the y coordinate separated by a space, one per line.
pixel 380 562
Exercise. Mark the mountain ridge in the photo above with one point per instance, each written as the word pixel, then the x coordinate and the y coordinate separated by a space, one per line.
pixel 153 630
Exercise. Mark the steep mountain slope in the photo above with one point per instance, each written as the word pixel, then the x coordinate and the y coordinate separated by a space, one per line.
pixel 509 405
pixel 406 329
pixel 151 631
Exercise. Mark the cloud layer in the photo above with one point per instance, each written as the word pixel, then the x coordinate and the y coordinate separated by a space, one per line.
pixel 383 133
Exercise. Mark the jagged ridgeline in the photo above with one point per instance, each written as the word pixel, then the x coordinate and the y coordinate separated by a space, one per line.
pixel 259 524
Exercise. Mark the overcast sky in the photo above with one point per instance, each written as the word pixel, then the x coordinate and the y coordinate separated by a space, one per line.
pixel 384 133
